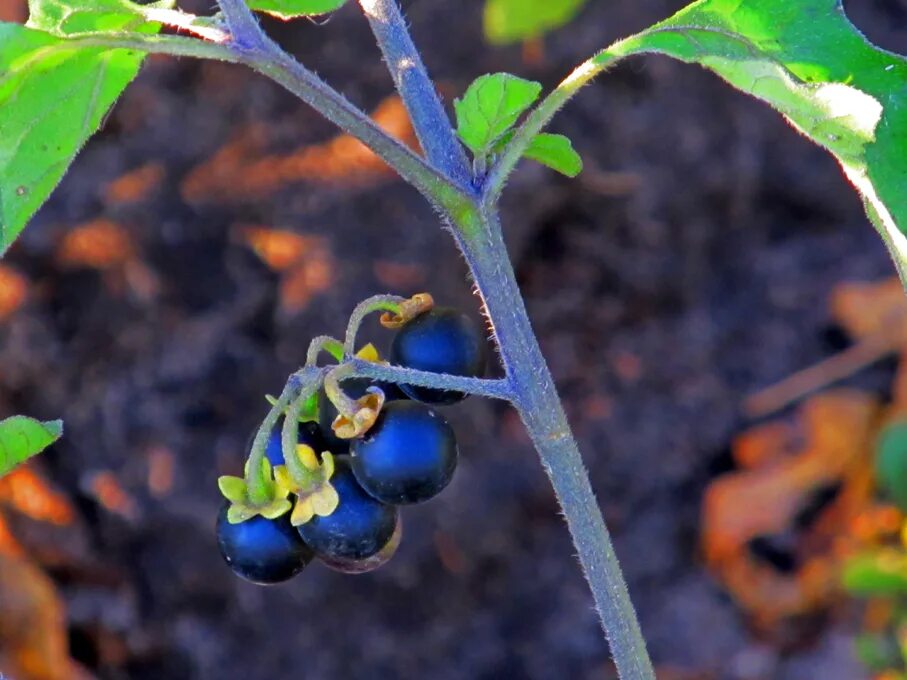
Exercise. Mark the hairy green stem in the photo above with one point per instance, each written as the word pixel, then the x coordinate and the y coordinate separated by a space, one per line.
pixel 431 123
pixel 376 303
pixel 257 486
pixel 323 343
pixel 536 399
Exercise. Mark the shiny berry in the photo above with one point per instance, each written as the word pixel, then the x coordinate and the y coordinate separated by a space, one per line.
pixel 408 456
pixel 263 551
pixel 359 529
pixel 440 341
pixel 354 388
pixel 309 434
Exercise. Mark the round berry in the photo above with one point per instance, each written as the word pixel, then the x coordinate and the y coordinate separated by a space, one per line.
pixel 359 529
pixel 440 341
pixel 346 565
pixel 354 388
pixel 263 551
pixel 408 456
pixel 309 434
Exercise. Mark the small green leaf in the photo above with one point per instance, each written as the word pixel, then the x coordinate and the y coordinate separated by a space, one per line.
pixel 808 61
pixel 556 152
pixel 54 95
pixel 509 21
pixel 891 462
pixel 490 107
pixel 22 437
pixel 876 574
pixel 290 9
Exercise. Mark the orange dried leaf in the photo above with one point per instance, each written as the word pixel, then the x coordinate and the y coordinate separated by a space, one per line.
pixel 866 309
pixel 160 471
pixel 33 638
pixel 239 172
pixel 302 283
pixel 29 493
pixel 764 444
pixel 99 244
pixel 108 491
pixel 765 499
pixel 13 290
pixel 135 185
pixel 278 248
pixel 8 543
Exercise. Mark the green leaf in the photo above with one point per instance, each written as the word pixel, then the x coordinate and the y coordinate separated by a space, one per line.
pixel 22 437
pixel 808 61
pixel 556 152
pixel 876 574
pixel 54 95
pixel 509 21
pixel 490 107
pixel 891 462
pixel 290 9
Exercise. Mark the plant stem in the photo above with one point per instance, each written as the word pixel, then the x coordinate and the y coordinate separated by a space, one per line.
pixel 323 343
pixel 494 389
pixel 535 397
pixel 376 303
pixel 431 123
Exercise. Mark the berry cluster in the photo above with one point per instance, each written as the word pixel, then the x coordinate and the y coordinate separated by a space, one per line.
pixel 408 455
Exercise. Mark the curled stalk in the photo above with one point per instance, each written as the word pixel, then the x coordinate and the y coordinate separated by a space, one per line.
pixel 376 303
pixel 323 343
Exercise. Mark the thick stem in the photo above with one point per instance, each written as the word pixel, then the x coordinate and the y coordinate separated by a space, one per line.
pixel 419 95
pixel 536 399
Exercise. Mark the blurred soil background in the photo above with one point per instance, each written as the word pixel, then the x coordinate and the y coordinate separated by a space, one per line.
pixel 216 224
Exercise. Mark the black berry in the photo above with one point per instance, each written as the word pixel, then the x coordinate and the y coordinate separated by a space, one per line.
pixel 441 341
pixel 408 456
pixel 263 551
pixel 360 534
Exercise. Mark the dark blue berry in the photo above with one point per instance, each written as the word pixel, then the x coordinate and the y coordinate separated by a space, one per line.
pixel 359 529
pixel 354 388
pixel 440 341
pixel 263 551
pixel 408 456
pixel 309 433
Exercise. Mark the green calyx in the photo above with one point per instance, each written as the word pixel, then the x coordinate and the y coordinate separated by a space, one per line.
pixel 243 506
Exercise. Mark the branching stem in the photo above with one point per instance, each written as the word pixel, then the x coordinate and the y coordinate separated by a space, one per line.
pixel 472 214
